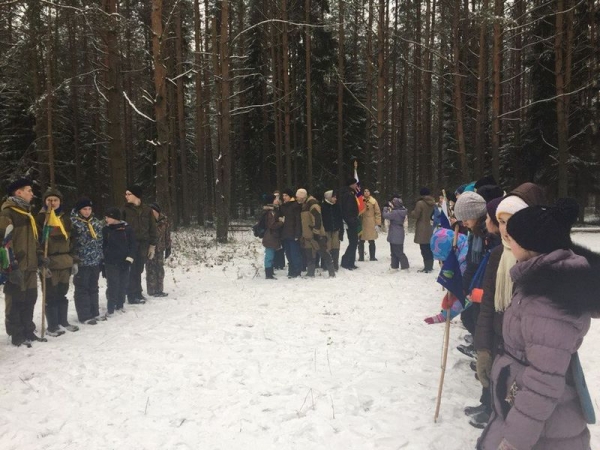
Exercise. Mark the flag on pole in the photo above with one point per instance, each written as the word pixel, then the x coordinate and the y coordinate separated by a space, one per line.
pixel 53 222
pixel 360 199
pixel 450 277
pixel 444 215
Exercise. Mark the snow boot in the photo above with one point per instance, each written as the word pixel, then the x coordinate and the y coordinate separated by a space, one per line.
pixel 468 350
pixel 335 257
pixel 480 420
pixel 32 337
pixel 372 251
pixel 17 340
pixel 474 410
pixel 269 273
pixel 63 309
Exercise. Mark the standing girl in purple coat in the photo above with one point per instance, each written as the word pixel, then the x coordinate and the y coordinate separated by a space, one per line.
pixel 535 400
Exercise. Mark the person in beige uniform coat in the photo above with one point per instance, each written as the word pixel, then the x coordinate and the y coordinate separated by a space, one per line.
pixel 371 224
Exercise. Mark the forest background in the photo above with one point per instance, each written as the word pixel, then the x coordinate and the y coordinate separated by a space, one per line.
pixel 209 103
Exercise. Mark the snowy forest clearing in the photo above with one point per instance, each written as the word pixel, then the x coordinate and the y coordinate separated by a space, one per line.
pixel 233 361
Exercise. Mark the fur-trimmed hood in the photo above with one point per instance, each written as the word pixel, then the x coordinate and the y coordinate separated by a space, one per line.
pixel 568 278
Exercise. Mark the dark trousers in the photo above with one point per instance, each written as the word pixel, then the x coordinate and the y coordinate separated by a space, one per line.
pixel 20 303
pixel 349 257
pixel 134 289
pixel 155 274
pixel 361 250
pixel 291 248
pixel 279 262
pixel 57 303
pixel 399 259
pixel 86 292
pixel 469 317
pixel 117 279
pixel 311 261
pixel 427 255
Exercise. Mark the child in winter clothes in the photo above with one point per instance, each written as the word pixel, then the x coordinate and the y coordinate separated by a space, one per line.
pixel 119 247
pixel 271 240
pixel 86 234
pixel 535 399
pixel 396 214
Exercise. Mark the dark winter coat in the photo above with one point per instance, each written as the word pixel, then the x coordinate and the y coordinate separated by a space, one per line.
pixel 163 233
pixel 544 326
pixel 87 249
pixel 118 243
pixel 332 216
pixel 530 193
pixel 60 249
pixel 272 237
pixel 396 217
pixel 26 248
pixel 422 215
pixel 474 258
pixel 142 221
pixel 488 333
pixel 349 207
pixel 292 227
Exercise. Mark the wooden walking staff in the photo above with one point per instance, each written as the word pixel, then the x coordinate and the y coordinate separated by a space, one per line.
pixel 44 269
pixel 446 343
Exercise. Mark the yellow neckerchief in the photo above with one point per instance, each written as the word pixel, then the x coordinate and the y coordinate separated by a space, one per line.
pixel 90 227
pixel 31 219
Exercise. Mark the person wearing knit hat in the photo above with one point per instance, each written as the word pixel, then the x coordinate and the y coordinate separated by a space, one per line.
pixel 155 272
pixel 396 214
pixel 291 232
pixel 119 249
pixel 490 192
pixel 333 225
pixel 142 221
pixel 555 293
pixel 352 182
pixel 63 263
pixel 469 207
pixel 301 194
pixel 492 207
pixel 423 230
pixel 349 207
pixel 86 236
pixel 20 290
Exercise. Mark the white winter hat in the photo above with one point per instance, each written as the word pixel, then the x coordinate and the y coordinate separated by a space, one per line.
pixel 510 205
pixel 301 193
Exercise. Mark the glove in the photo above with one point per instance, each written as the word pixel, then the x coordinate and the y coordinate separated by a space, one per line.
pixel 378 228
pixel 282 219
pixel 129 260
pixel 151 251
pixel 167 252
pixel 341 235
pixel 43 261
pixel 74 269
pixel 16 277
pixel 484 367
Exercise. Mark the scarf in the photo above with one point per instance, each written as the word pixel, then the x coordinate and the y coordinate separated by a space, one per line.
pixel 504 283
pixel 25 210
pixel 89 224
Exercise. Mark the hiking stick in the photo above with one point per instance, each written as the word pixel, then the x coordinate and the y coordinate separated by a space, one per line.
pixel 446 343
pixel 44 281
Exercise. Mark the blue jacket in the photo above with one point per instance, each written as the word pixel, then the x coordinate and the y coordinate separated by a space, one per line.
pixel 87 249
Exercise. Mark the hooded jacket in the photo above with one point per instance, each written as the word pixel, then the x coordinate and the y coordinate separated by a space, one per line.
pixel 550 313
pixel 60 249
pixel 26 248
pixel 422 215
pixel 396 217
pixel 86 247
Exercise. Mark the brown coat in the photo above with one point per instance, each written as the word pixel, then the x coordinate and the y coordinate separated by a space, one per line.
pixel 24 244
pixel 422 214
pixel 142 221
pixel 272 238
pixel 312 223
pixel 370 218
pixel 60 250
pixel 488 334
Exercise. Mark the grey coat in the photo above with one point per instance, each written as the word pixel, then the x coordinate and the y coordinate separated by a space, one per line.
pixel 396 218
pixel 543 327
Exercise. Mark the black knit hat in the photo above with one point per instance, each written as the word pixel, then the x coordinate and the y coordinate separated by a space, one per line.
pixel 18 184
pixel 82 203
pixel 544 229
pixel 488 180
pixel 136 190
pixel 289 192
pixel 424 191
pixel 113 213
pixel 490 192
pixel 155 206
pixel 269 199
pixel 351 181
pixel 491 207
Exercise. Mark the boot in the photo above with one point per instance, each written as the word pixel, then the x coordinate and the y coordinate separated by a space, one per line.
pixel 372 251
pixel 429 265
pixel 480 420
pixel 52 317
pixel 335 257
pixel 361 250
pixel 269 273
pixel 63 310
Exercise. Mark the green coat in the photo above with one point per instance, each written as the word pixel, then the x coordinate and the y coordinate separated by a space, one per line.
pixel 25 246
pixel 60 249
pixel 142 221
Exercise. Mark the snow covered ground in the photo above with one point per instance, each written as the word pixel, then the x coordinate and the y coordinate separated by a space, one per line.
pixel 233 361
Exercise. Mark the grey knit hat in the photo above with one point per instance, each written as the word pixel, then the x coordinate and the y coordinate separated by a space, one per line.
pixel 470 206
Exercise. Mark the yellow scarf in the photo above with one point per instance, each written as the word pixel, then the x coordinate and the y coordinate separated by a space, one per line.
pixel 31 220
pixel 90 227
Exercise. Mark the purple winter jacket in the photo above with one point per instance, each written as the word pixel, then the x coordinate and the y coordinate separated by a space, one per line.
pixel 543 327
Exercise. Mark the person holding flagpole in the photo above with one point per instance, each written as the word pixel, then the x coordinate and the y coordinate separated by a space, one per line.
pixel 56 234
pixel 20 291
pixel 350 211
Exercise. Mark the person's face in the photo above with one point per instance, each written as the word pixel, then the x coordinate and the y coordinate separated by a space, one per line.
pixel 286 198
pixel 25 193
pixel 491 226
pixel 276 200
pixel 130 197
pixel 502 220
pixel 519 252
pixel 441 199
pixel 52 202
pixel 470 223
pixel 333 200
pixel 300 199
pixel 367 193
pixel 86 211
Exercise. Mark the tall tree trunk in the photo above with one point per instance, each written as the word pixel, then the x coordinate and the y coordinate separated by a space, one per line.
pixel 426 169
pixel 276 110
pixel 369 99
pixel 210 191
pixel 381 86
pixel 458 94
pixel 160 109
pixel 480 125
pixel 309 124
pixel 72 33
pixel 417 157
pixel 199 113
pixel 497 96
pixel 286 93
pixel 185 190
pixel 340 96
pixel 561 110
pixel 49 98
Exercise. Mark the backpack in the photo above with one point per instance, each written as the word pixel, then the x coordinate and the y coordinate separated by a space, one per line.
pixel 260 227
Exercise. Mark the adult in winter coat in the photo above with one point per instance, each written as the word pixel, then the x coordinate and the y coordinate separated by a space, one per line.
pixel 20 290
pixel 119 246
pixel 61 264
pixel 314 238
pixel 139 216
pixel 535 400
pixel 349 206
pixel 333 225
pixel 291 232
pixel 396 214
pixel 155 271
pixel 422 216
pixel 371 223
pixel 86 234
pixel 271 241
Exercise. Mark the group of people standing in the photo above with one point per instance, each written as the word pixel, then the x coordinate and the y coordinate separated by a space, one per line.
pixel 529 296
pixel 59 244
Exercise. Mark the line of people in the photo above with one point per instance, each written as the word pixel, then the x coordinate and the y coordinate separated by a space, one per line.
pixel 79 245
pixel 530 294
